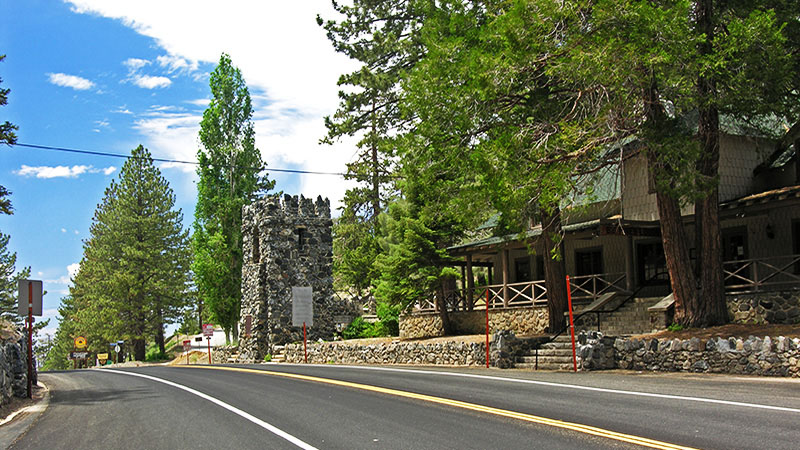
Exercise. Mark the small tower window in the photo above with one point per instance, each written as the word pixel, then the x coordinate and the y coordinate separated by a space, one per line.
pixel 301 239
pixel 256 247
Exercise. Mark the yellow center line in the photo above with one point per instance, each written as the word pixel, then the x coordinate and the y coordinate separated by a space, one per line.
pixel 465 405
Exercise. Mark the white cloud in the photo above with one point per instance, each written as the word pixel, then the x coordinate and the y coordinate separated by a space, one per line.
pixel 175 63
pixel 63 230
pixel 76 232
pixel 292 80
pixel 135 64
pixel 60 171
pixel 72 270
pixel 151 82
pixel 122 110
pixel 70 81
pixel 52 172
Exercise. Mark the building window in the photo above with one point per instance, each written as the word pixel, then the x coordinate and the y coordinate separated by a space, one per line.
pixel 539 268
pixel 734 248
pixel 589 262
pixel 522 269
pixel 651 264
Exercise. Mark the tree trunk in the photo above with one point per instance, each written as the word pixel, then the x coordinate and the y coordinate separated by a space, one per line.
pixel 555 272
pixel 713 309
pixel 441 306
pixel 160 332
pixel 139 349
pixel 673 235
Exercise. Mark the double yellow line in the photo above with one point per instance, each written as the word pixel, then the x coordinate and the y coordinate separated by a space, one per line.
pixel 586 429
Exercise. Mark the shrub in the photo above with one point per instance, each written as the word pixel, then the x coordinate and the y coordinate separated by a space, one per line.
pixel 675 327
pixel 267 357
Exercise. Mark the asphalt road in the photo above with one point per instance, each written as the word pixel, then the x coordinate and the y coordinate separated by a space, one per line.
pixel 326 406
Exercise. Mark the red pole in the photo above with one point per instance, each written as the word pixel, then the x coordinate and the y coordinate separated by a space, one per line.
pixel 30 339
pixel 305 347
pixel 209 349
pixel 487 328
pixel 571 327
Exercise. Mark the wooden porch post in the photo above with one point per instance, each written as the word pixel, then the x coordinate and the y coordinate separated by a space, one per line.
pixel 504 257
pixel 470 294
pixel 629 279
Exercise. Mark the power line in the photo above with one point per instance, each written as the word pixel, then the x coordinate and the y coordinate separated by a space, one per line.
pixel 165 160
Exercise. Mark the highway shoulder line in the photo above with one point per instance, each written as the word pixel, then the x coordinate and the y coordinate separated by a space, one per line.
pixel 586 429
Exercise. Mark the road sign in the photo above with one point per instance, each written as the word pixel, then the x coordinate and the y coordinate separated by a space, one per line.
pixel 35 296
pixel 80 342
pixel 78 355
pixel 117 349
pixel 302 306
pixel 102 357
pixel 187 344
pixel 208 330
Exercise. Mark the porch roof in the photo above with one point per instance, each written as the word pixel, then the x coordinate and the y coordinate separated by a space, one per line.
pixel 532 233
pixel 784 193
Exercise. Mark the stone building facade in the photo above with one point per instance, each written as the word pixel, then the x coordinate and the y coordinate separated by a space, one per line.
pixel 287 242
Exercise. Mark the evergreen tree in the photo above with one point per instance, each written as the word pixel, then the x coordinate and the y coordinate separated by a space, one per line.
pixel 231 177
pixel 133 277
pixel 383 38
pixel 9 282
pixel 7 136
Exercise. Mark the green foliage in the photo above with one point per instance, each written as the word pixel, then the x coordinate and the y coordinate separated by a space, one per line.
pixel 230 177
pixel 268 357
pixel 9 282
pixel 389 316
pixel 356 329
pixel 7 136
pixel 154 354
pixel 133 276
pixel 675 327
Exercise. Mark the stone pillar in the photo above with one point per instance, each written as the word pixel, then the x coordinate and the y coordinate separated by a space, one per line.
pixel 287 242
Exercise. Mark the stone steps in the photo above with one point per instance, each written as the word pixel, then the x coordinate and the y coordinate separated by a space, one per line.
pixel 280 354
pixel 556 355
pixel 632 318
pixel 233 359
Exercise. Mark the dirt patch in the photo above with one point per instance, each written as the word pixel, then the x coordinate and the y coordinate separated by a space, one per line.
pixel 726 331
pixel 16 403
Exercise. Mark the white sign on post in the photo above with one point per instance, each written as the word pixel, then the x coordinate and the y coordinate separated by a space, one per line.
pixel 302 306
pixel 36 290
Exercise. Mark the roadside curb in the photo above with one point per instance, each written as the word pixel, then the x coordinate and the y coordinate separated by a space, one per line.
pixel 18 423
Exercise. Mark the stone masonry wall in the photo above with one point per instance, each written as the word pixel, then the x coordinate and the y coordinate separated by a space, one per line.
pixel 287 242
pixel 768 307
pixel 13 366
pixel 522 321
pixel 444 353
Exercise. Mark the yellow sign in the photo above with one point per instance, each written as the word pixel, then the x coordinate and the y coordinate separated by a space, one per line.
pixel 102 356
pixel 80 342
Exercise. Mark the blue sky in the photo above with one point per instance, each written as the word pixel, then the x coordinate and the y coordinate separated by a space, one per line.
pixel 108 76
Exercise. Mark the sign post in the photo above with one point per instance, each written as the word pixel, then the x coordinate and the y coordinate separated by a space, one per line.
pixel 30 304
pixel 303 312
pixel 571 327
pixel 187 345
pixel 208 332
pixel 487 328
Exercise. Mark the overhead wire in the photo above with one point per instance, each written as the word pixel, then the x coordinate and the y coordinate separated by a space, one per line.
pixel 167 160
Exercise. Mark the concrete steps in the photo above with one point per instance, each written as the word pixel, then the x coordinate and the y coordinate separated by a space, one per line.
pixel 280 354
pixel 632 318
pixel 556 355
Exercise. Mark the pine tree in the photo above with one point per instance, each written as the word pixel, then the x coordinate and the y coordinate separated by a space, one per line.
pixel 231 177
pixel 133 277
pixel 7 136
pixel 9 282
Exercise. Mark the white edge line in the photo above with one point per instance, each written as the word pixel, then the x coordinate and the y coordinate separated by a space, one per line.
pixel 566 386
pixel 251 418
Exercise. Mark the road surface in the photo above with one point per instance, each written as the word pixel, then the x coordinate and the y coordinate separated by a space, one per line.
pixel 340 407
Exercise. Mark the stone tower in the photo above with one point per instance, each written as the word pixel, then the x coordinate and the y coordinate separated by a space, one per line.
pixel 286 242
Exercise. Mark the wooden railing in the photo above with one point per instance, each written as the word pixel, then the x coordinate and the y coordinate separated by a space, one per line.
pixel 750 275
pixel 520 295
pixel 762 274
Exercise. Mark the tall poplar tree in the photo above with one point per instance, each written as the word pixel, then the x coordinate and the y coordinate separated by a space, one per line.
pixel 133 277
pixel 231 176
